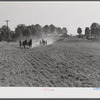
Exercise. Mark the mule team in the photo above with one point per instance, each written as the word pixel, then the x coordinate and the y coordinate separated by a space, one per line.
pixel 29 43
pixel 25 43
pixel 43 42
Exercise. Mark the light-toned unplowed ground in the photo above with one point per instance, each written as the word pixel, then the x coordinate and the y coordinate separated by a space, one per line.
pixel 68 63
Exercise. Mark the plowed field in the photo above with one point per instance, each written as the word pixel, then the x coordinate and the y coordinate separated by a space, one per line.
pixel 68 63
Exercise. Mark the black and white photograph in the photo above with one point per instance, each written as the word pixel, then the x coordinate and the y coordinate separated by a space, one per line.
pixel 49 44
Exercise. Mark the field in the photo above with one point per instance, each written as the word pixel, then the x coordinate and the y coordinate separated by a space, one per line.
pixel 66 63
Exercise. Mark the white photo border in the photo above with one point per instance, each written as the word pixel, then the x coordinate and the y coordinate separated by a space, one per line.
pixel 49 92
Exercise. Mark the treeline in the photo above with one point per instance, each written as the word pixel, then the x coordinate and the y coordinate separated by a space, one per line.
pixel 90 32
pixel 23 31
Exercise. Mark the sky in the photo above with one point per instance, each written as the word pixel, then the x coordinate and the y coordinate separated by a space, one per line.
pixel 61 14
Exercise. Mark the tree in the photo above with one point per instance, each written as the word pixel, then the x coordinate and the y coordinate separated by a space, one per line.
pixel 0 36
pixel 18 33
pixel 33 30
pixel 59 30
pixel 46 29
pixel 87 32
pixel 39 29
pixel 27 32
pixel 13 37
pixel 95 30
pixel 5 33
pixel 79 31
pixel 22 27
pixel 64 30
pixel 52 28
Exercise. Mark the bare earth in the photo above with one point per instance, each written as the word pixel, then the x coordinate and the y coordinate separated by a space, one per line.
pixel 68 63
